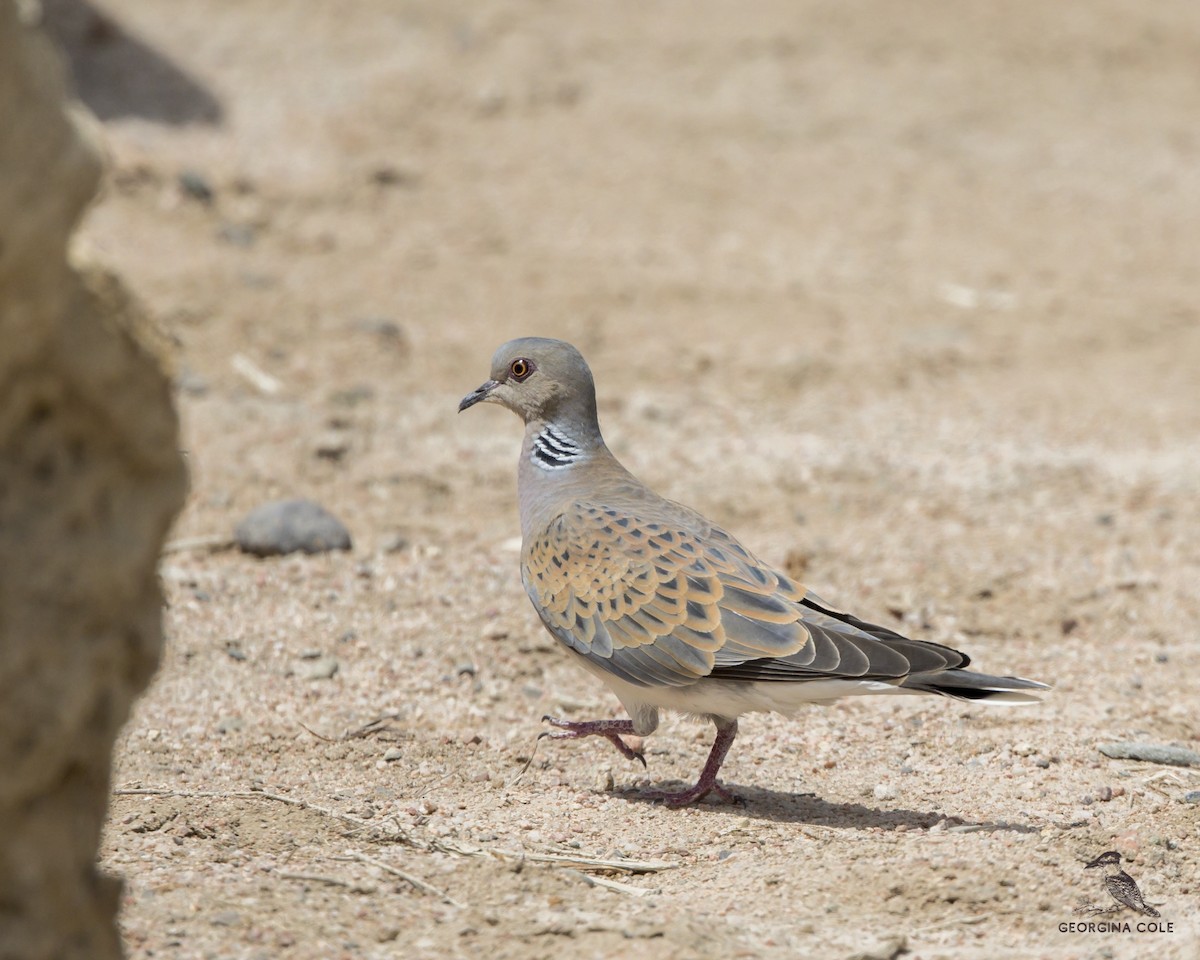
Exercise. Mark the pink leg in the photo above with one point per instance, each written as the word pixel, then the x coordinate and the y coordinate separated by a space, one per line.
pixel 708 776
pixel 609 729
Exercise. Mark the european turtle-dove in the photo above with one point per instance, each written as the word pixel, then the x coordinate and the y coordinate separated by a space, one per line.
pixel 666 607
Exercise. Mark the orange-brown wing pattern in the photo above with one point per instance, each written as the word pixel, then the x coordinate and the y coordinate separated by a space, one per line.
pixel 671 600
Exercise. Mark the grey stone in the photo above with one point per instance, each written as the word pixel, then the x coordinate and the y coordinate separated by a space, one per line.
pixel 290 526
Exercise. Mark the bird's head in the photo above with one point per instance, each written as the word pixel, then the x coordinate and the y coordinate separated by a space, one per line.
pixel 1109 858
pixel 539 380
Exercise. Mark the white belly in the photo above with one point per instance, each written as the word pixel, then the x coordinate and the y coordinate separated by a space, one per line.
pixel 729 699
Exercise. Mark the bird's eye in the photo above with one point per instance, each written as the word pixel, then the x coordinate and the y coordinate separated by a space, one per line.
pixel 520 369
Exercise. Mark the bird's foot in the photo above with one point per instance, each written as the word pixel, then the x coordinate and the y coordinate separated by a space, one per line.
pixel 708 776
pixel 610 730
pixel 682 798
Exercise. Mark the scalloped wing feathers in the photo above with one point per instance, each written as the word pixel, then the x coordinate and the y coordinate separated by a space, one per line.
pixel 658 596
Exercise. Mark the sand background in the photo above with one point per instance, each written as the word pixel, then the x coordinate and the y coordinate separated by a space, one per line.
pixel 906 295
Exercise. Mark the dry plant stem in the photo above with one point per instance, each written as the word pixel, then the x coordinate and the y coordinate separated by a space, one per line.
pixel 615 885
pixel 318 878
pixel 415 882
pixel 263 795
pixel 584 863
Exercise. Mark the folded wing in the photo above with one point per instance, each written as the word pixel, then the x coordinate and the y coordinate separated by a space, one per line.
pixel 660 597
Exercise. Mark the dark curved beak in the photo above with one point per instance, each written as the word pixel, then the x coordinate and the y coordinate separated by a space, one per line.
pixel 482 392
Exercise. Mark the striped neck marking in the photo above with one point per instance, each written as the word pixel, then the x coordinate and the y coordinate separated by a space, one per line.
pixel 553 449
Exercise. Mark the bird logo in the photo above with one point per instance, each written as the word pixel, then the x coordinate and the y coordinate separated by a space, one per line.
pixel 1120 886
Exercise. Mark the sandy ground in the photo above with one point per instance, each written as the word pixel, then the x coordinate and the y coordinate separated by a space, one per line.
pixel 906 295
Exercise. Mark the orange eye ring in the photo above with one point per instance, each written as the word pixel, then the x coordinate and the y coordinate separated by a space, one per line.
pixel 520 369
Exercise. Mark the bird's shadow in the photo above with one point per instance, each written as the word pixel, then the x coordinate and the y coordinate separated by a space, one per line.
pixel 778 806
pixel 118 74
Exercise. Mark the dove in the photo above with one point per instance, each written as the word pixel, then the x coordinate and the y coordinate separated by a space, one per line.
pixel 667 608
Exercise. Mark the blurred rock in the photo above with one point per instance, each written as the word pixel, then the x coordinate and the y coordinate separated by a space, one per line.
pixel 332 445
pixel 191 383
pixel 291 526
pixel 196 186
pixel 237 234
pixel 394 543
pixel 92 478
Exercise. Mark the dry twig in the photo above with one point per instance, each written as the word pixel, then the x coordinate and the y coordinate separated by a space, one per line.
pixel 614 885
pixel 328 881
pixel 415 882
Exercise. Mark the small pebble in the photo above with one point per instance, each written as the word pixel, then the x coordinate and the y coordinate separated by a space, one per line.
pixel 884 791
pixel 237 234
pixel 1192 796
pixel 494 631
pixel 323 668
pixel 230 724
pixel 288 526
pixel 353 396
pixel 196 186
pixel 389 176
pixel 604 781
pixel 191 383
pixel 394 543
pixel 382 327
pixel 332 446
pixel 393 753
pixel 1024 749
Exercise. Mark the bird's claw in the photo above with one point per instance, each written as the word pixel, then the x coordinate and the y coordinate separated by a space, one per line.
pixel 608 729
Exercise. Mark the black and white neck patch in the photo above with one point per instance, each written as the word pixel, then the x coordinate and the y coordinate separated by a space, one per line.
pixel 553 449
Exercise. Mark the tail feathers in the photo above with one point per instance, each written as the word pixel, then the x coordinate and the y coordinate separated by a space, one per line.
pixel 967 685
